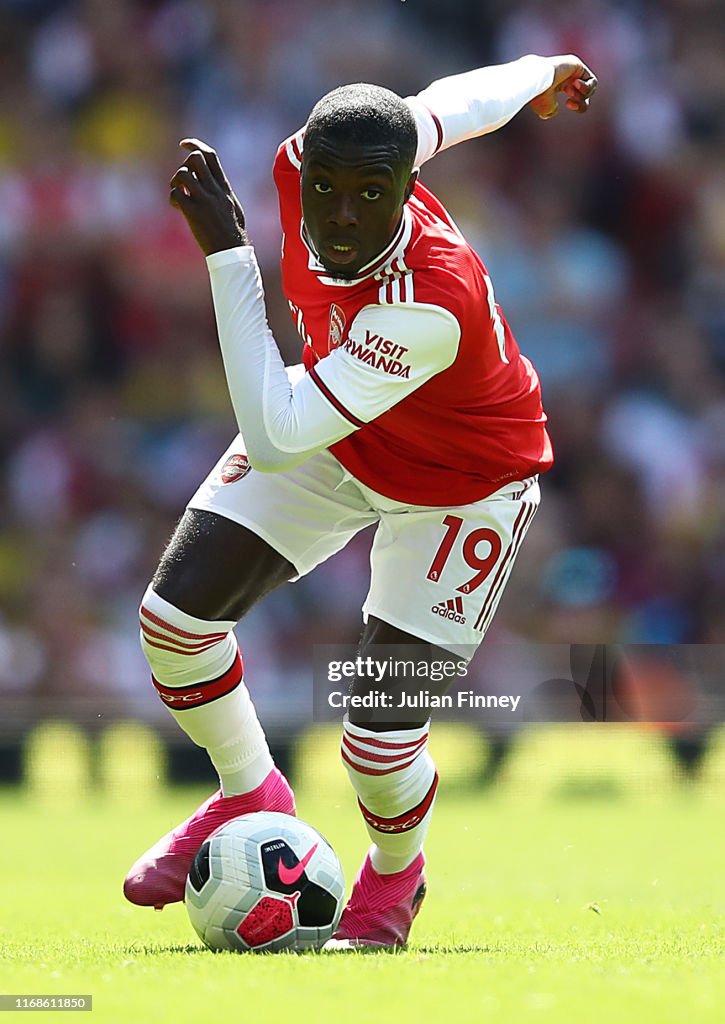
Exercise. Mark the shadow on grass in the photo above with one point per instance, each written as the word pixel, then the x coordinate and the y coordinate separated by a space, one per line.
pixel 190 949
pixel 458 948
pixel 462 948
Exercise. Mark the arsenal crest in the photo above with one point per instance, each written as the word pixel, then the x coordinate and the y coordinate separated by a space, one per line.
pixel 236 467
pixel 337 327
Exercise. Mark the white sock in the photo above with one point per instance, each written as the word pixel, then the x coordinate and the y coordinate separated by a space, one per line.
pixel 395 779
pixel 198 673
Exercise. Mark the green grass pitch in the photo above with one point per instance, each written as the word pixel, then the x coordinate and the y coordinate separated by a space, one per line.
pixel 551 906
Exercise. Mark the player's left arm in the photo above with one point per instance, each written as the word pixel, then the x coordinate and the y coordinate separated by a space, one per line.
pixel 474 103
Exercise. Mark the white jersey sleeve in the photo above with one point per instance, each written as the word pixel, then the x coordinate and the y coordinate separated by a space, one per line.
pixel 465 106
pixel 390 351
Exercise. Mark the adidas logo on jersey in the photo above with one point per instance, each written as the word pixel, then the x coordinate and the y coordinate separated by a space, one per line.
pixel 452 609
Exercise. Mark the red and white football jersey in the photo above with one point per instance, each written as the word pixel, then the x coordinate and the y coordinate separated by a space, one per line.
pixel 419 324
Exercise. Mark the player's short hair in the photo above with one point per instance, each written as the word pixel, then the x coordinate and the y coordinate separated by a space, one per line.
pixel 364 114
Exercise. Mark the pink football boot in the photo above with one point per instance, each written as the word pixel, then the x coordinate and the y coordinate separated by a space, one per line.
pixel 381 908
pixel 159 876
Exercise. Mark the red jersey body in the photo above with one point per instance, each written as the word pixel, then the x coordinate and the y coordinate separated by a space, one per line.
pixel 470 428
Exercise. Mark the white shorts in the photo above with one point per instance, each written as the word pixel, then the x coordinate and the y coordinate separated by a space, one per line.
pixel 437 573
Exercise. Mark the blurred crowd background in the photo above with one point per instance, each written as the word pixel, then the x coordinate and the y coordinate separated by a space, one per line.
pixel 604 236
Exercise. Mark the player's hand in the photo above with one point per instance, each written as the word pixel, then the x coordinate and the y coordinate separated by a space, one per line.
pixel 571 77
pixel 201 191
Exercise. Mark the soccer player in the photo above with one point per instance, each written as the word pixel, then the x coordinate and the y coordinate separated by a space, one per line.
pixel 417 413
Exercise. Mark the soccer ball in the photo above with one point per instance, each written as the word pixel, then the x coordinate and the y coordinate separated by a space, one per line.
pixel 265 882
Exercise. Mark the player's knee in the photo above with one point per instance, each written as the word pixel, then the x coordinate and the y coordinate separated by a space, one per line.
pixel 180 648
pixel 214 568
pixel 182 579
pixel 191 573
pixel 366 721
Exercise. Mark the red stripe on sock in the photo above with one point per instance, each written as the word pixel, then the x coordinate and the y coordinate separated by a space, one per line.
pixel 158 621
pixel 381 758
pixel 180 698
pixel 402 822
pixel 386 744
pixel 374 771
pixel 180 650
pixel 183 646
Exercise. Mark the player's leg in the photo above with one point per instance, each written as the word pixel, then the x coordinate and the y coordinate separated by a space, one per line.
pixel 395 780
pixel 464 556
pixel 211 573
pixel 243 534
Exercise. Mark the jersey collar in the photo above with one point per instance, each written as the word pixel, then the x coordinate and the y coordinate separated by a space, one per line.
pixel 376 267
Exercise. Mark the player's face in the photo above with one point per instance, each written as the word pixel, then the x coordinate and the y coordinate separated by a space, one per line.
pixel 352 202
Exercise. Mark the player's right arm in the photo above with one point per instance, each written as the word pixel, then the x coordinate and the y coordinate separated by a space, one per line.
pixel 465 106
pixel 390 351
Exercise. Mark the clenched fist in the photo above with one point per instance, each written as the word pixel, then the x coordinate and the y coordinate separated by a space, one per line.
pixel 574 79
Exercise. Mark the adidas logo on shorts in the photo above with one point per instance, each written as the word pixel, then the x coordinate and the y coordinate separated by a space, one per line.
pixel 452 609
